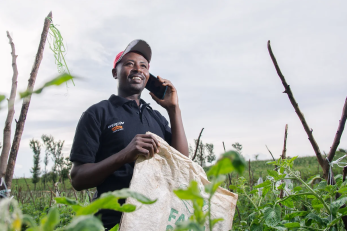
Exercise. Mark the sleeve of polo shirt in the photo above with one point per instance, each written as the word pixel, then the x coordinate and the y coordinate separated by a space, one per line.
pixel 86 141
pixel 168 134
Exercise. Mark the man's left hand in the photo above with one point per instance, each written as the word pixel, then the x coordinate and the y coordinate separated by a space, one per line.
pixel 170 99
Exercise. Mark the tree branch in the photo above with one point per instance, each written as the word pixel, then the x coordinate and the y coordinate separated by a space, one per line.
pixel 197 144
pixel 270 153
pixel 313 142
pixel 338 133
pixel 26 103
pixel 7 129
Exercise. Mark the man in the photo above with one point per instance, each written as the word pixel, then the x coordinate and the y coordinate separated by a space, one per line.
pixel 111 134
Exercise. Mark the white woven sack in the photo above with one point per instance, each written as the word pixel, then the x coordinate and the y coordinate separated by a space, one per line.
pixel 156 178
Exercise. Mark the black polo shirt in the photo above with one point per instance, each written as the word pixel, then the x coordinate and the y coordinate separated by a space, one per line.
pixel 108 127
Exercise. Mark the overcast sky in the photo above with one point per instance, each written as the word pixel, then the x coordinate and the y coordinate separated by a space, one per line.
pixel 215 54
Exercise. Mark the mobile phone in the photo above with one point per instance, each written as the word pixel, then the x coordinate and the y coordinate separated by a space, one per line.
pixel 156 87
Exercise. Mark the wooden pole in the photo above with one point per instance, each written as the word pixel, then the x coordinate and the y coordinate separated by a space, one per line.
pixel 197 144
pixel 7 129
pixel 26 103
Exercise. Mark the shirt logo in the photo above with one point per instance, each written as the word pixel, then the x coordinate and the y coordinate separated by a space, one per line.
pixel 116 127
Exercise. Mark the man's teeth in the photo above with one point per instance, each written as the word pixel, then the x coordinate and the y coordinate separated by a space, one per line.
pixel 138 78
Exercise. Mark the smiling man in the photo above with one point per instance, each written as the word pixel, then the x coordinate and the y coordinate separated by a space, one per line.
pixel 111 134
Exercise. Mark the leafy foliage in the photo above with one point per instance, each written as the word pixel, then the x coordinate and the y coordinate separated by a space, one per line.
pixel 229 162
pixel 11 217
pixel 307 206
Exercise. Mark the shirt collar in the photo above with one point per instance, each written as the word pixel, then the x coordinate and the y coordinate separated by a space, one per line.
pixel 119 101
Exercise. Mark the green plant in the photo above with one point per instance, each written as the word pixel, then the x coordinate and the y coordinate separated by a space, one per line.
pixel 12 218
pixel 307 206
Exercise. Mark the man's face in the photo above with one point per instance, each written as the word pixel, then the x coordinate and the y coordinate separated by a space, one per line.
pixel 132 73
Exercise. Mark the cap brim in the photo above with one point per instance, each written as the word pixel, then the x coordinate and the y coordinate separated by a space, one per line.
pixel 139 46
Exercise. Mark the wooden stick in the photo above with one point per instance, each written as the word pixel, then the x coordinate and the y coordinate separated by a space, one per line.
pixel 338 134
pixel 309 131
pixel 270 153
pixel 197 144
pixel 25 105
pixel 10 114
pixel 285 143
pixel 284 153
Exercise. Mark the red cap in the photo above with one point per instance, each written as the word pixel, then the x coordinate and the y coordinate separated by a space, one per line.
pixel 117 58
pixel 137 45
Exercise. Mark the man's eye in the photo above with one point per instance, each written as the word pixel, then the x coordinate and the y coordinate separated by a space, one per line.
pixel 144 66
pixel 130 63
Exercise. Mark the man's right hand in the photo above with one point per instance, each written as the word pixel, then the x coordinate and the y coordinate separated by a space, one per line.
pixel 142 144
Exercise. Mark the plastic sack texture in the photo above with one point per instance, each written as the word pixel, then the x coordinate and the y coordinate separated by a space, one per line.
pixel 156 178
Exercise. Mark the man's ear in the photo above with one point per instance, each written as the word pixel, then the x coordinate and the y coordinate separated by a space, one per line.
pixel 114 73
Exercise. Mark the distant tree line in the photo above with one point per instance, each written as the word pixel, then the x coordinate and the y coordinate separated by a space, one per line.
pixel 61 166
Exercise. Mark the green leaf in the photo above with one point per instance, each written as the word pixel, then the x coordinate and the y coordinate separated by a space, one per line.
pixel 115 228
pixel 264 184
pixel 281 186
pixel 256 227
pixel 297 189
pixel 281 170
pixel 125 193
pixel 295 214
pixel 342 190
pixel 216 182
pixel 189 225
pixel 110 201
pixel 321 185
pixel 54 82
pixel 216 220
pixel 292 225
pixel 272 216
pixel 314 217
pixel 334 206
pixel 288 202
pixel 254 191
pixel 65 201
pixel 313 178
pixel 29 221
pixel 191 193
pixel 230 161
pixel 233 187
pixel 266 190
pixel 343 211
pixel 85 223
pixel 50 220
pixel 272 173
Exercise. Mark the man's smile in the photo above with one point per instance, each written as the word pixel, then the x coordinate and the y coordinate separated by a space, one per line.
pixel 136 78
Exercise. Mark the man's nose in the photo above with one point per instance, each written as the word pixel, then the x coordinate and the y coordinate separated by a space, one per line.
pixel 136 67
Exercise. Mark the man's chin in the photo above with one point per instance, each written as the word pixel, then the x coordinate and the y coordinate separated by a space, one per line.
pixel 136 89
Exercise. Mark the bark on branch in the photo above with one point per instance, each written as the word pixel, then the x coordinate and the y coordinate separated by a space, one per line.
pixel 338 134
pixel 7 129
pixel 197 144
pixel 285 142
pixel 313 142
pixel 26 102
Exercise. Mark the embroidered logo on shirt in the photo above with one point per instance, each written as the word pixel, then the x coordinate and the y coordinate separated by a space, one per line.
pixel 116 127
